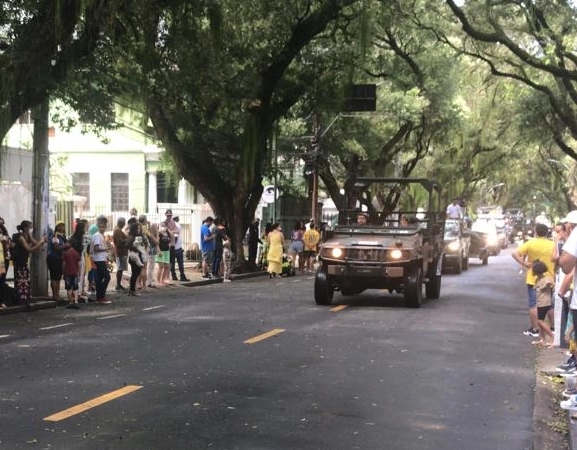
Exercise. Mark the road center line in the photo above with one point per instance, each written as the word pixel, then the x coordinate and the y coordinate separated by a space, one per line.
pixel 110 317
pixel 262 337
pixel 56 326
pixel 338 308
pixel 154 307
pixel 91 403
pixel 4 336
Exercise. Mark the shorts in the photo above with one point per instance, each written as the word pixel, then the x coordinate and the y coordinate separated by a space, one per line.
pixel 542 312
pixel 208 256
pixel 296 247
pixel 121 263
pixel 163 257
pixel 54 267
pixel 531 296
pixel 310 254
pixel 71 282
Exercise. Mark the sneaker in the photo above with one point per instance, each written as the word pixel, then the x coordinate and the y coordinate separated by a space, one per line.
pixel 568 393
pixel 184 279
pixel 205 275
pixel 568 404
pixel 226 280
pixel 569 367
pixel 103 301
pixel 531 332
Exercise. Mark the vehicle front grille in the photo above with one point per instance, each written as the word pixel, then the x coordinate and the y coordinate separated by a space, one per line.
pixel 366 254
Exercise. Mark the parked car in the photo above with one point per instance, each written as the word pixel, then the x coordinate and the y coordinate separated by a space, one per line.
pixel 457 241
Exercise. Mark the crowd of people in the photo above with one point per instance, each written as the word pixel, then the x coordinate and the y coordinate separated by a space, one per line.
pixel 152 254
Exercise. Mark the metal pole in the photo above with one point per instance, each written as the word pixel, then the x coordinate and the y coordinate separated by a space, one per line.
pixel 40 199
pixel 316 148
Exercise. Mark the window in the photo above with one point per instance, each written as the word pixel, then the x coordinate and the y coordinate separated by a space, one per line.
pixel 119 191
pixel 81 187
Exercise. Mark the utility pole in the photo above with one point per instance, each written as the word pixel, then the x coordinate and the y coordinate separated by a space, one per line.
pixel 316 146
pixel 40 198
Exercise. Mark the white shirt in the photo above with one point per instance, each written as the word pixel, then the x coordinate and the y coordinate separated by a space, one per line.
pixel 98 239
pixel 178 237
pixel 454 211
pixel 571 248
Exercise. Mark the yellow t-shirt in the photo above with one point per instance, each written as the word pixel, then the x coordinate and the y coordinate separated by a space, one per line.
pixel 311 239
pixel 539 248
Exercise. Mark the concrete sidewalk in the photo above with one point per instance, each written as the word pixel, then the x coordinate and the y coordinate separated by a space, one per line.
pixel 548 387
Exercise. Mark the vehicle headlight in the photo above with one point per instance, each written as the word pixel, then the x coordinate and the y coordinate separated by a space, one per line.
pixel 396 254
pixel 453 246
pixel 492 240
pixel 337 252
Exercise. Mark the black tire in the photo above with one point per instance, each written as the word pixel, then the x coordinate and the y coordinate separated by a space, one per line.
pixel 433 286
pixel 465 263
pixel 485 260
pixel 347 292
pixel 459 267
pixel 414 288
pixel 324 290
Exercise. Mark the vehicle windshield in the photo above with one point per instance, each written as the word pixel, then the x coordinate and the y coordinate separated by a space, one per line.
pixel 451 230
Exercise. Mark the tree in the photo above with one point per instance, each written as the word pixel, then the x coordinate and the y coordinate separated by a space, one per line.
pixel 532 43
pixel 216 77
pixel 41 42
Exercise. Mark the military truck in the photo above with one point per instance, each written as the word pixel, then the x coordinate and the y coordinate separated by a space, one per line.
pixel 399 248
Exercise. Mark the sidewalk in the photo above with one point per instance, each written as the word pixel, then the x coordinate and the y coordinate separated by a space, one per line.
pixel 548 387
pixel 192 272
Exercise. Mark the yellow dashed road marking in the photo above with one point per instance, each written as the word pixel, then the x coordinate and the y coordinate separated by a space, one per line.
pixel 264 336
pixel 92 403
pixel 338 308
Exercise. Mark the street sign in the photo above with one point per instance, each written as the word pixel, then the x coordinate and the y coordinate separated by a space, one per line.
pixel 269 194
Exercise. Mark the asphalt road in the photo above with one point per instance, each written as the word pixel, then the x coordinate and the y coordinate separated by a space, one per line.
pixel 176 369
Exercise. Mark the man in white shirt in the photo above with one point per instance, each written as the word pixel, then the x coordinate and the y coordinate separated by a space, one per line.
pixel 177 253
pixel 99 252
pixel 454 210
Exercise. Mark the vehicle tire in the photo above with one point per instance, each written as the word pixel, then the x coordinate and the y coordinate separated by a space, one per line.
pixel 459 267
pixel 414 288
pixel 324 290
pixel 347 292
pixel 485 260
pixel 433 286
pixel 465 263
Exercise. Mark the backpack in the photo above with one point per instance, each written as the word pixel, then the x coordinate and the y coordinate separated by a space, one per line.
pixel 164 242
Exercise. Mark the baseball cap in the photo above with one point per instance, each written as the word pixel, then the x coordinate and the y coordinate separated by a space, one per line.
pixel 168 212
pixel 570 218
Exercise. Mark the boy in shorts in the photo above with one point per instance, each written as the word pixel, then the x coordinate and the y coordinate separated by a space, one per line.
pixel 544 285
pixel 71 268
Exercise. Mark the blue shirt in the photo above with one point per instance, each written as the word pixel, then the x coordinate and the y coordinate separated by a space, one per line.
pixel 206 246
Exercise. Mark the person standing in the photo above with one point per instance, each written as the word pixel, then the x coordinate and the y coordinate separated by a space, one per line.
pixel 567 262
pixel 119 239
pixel 100 249
pixel 275 250
pixel 134 244
pixel 219 237
pixel 6 255
pixel 153 238
pixel 177 254
pixel 24 244
pixel 226 261
pixel 77 241
pixel 541 249
pixel 454 210
pixel 253 241
pixel 296 248
pixel 311 240
pixel 163 255
pixel 207 246
pixel 57 243
pixel 142 281
pixel 70 269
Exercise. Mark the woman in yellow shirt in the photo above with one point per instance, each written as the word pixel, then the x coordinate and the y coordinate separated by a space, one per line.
pixel 275 241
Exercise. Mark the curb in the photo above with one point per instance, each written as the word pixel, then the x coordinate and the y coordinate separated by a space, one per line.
pixel 43 303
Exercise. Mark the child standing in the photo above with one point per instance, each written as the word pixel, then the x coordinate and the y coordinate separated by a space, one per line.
pixel 544 285
pixel 71 269
pixel 226 260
